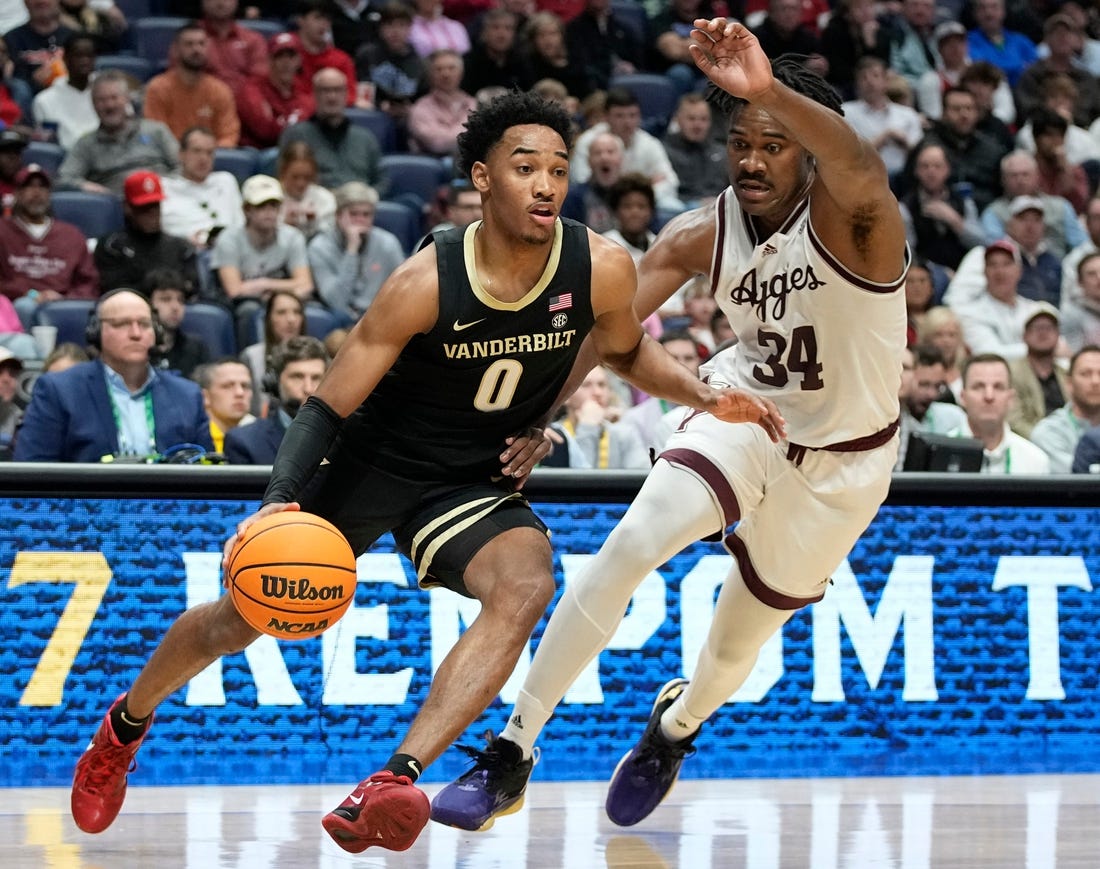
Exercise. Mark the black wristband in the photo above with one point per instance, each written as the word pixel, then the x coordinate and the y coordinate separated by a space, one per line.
pixel 304 447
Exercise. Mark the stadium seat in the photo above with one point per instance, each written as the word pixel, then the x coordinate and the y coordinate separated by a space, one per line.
pixel 416 174
pixel 70 316
pixel 240 162
pixel 379 123
pixel 138 67
pixel 153 37
pixel 94 214
pixel 46 154
pixel 319 320
pixel 401 220
pixel 213 325
pixel 632 14
pixel 657 97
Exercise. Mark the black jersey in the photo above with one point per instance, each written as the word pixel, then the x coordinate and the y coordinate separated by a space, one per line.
pixel 487 369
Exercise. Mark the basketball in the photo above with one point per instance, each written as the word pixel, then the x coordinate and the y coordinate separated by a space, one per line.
pixel 292 575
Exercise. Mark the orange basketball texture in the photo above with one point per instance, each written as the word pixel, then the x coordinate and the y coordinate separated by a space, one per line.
pixel 292 575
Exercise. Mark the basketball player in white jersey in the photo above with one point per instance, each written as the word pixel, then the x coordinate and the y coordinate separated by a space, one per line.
pixel 806 254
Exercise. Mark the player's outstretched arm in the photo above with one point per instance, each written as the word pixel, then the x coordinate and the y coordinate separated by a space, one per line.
pixel 854 212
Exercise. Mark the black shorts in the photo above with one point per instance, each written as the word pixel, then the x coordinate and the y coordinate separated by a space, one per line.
pixel 439 526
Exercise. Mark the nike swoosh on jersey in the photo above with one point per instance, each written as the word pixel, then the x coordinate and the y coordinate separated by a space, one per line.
pixel 460 326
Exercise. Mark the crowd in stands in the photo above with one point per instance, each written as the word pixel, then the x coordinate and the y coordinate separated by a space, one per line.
pixel 275 161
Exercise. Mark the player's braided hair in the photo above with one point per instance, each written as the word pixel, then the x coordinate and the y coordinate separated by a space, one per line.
pixel 486 124
pixel 791 70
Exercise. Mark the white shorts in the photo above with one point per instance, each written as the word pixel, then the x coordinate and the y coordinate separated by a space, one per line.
pixel 797 519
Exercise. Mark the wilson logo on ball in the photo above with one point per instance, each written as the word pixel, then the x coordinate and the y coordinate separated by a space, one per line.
pixel 280 587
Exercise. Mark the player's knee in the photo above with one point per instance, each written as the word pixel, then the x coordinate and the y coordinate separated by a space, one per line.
pixel 521 601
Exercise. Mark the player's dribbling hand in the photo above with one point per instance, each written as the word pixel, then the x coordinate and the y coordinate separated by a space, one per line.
pixel 730 56
pixel 736 405
pixel 266 510
pixel 523 452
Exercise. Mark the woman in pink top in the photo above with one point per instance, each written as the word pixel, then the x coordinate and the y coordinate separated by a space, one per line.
pixel 432 30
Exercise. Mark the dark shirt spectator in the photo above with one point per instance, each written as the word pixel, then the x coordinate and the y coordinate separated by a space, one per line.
pixel 601 45
pixel 36 46
pixel 125 257
pixel 700 162
pixel 168 293
pixel 106 26
pixel 1062 39
pixel 853 32
pixel 782 31
pixel 547 55
pixel 494 60
pixel 353 24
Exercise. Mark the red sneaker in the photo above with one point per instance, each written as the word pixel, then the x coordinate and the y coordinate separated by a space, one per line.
pixel 386 810
pixel 99 783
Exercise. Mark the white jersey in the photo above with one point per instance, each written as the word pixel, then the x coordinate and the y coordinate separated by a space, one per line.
pixel 822 343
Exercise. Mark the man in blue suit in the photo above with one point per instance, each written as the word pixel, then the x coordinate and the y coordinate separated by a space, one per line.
pixel 294 371
pixel 117 406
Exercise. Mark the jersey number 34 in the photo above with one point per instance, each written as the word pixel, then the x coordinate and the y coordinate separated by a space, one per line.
pixel 799 355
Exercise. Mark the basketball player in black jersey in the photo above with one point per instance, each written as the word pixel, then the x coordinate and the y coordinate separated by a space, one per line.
pixel 427 425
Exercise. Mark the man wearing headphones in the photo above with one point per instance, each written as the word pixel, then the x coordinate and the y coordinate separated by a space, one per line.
pixel 294 371
pixel 117 406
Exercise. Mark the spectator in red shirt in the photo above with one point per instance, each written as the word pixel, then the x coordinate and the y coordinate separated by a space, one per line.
pixel 43 259
pixel 271 104
pixel 233 53
pixel 318 52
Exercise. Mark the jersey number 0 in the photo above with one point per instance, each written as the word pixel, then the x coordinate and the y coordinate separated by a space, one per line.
pixel 498 385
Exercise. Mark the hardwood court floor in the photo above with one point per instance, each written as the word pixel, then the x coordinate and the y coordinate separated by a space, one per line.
pixel 1031 822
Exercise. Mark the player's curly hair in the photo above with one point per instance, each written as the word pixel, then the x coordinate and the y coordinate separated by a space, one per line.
pixel 791 70
pixel 486 124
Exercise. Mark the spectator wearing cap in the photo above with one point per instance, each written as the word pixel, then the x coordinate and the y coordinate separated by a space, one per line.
pixel 1020 177
pixel 35 47
pixel 66 105
pixel 42 259
pixel 953 61
pixel 168 293
pixel 994 321
pixel 234 54
pixel 261 256
pixel 344 151
pixel 126 256
pixel 1062 39
pixel 1060 433
pixel 317 50
pixel 186 95
pixel 199 202
pixel 352 259
pixel 101 160
pixel 116 405
pixel 11 414
pixel 270 104
pixel 990 40
pixel 12 145
pixel 1040 270
pixel 1038 376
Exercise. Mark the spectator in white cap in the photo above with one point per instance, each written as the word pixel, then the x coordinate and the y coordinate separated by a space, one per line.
pixel 262 256
pixel 352 259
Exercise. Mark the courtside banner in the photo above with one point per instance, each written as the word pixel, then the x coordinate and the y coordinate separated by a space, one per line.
pixel 954 639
